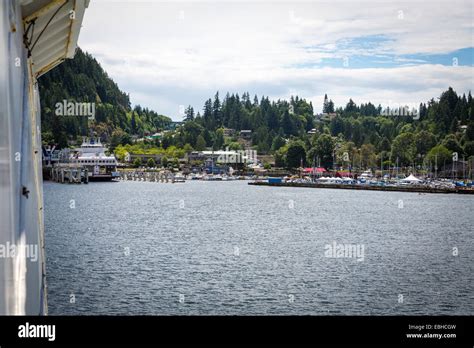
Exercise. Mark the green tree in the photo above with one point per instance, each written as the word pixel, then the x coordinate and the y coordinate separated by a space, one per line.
pixel 151 163
pixel 133 124
pixel 424 141
pixel 451 143
pixel 470 131
pixel 384 145
pixel 234 146
pixel 189 114
pixel 188 148
pixel 167 141
pixel 216 111
pixel 280 157
pixel 278 142
pixel 295 154
pixel 191 131
pixel 323 150
pixel 330 107
pixel 137 162
pixel 469 148
pixel 403 148
pixel 219 139
pixel 200 143
pixel 367 152
pixel 116 139
pixel 336 125
pixel 438 155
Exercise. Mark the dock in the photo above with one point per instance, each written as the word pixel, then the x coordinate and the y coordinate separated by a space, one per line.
pixel 163 177
pixel 413 188
pixel 69 173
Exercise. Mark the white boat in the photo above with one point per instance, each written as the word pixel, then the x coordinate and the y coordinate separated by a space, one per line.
pixel 212 177
pixel 329 180
pixel 179 178
pixel 228 177
pixel 366 174
pixel 348 181
pixel 91 155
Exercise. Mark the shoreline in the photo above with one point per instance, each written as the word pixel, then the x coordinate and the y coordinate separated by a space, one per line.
pixel 413 189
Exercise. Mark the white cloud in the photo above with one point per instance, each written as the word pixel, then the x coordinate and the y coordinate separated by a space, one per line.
pixel 166 54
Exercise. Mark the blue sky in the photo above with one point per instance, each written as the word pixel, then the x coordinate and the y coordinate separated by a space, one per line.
pixel 168 54
pixel 372 55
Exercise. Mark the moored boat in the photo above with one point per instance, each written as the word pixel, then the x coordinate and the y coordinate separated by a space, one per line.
pixel 91 155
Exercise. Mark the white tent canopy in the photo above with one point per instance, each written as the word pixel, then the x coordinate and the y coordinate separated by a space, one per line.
pixel 411 179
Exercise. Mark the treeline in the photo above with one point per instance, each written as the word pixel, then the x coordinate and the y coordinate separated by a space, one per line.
pixel 83 80
pixel 352 135
pixel 270 121
pixel 361 136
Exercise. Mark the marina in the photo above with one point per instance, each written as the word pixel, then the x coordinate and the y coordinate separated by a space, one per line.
pixel 368 187
pixel 367 181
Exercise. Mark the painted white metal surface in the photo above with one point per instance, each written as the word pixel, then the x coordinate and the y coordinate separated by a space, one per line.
pixel 22 270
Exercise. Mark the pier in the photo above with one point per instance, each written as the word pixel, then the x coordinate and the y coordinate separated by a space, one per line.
pixel 163 176
pixel 413 188
pixel 69 173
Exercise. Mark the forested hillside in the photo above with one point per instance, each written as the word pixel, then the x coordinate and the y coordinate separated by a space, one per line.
pixel 82 79
pixel 364 132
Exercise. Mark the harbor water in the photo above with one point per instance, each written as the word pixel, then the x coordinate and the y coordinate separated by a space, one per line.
pixel 202 248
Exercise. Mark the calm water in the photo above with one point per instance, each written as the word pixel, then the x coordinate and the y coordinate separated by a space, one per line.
pixel 231 248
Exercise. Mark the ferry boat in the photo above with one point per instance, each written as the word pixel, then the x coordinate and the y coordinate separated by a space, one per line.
pixel 91 155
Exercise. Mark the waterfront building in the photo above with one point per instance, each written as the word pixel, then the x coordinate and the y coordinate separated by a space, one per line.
pixel 246 134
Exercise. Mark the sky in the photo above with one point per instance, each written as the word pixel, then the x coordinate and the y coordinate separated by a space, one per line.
pixel 168 55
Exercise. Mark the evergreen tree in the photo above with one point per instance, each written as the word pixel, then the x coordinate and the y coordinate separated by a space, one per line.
pixel 200 143
pixel 216 111
pixel 330 107
pixel 325 104
pixel 208 115
pixel 189 114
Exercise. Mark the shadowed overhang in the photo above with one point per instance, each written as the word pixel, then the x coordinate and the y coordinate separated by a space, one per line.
pixel 51 31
